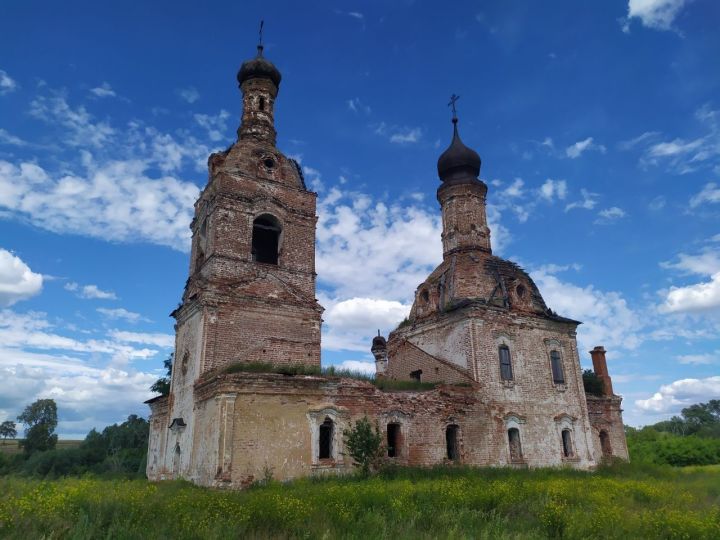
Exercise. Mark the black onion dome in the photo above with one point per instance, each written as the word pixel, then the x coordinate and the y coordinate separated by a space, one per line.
pixel 458 163
pixel 379 342
pixel 259 68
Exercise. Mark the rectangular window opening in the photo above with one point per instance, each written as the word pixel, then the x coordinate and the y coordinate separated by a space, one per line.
pixel 505 363
pixel 451 439
pixel 326 432
pixel 557 369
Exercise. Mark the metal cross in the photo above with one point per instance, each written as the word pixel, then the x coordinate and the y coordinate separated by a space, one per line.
pixel 262 23
pixel 453 99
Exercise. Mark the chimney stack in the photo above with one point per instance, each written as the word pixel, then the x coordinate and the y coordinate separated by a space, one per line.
pixel 601 370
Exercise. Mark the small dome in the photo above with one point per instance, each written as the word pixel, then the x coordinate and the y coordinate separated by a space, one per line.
pixel 458 164
pixel 379 342
pixel 259 68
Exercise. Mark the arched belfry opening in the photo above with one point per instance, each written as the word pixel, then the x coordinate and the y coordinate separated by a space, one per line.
pixel 266 239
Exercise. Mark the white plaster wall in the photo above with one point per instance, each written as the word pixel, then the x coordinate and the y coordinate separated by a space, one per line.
pixel 448 342
pixel 189 339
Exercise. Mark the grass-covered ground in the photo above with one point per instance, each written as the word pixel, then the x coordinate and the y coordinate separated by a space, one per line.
pixel 618 502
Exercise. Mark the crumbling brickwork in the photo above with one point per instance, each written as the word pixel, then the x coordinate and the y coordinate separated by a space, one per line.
pixel 509 385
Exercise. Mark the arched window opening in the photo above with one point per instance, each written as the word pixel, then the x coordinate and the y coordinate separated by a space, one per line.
pixel 393 440
pixel 557 369
pixel 505 363
pixel 262 103
pixel 515 446
pixel 266 239
pixel 605 444
pixel 424 296
pixel 451 441
pixel 567 444
pixel 326 436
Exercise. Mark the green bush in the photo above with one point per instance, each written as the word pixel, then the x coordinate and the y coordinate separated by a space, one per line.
pixel 364 444
pixel 663 448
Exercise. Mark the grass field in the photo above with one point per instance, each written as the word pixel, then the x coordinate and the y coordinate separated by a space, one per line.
pixel 619 502
pixel 10 446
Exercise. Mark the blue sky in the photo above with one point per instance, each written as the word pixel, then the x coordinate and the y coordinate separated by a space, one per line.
pixel 598 125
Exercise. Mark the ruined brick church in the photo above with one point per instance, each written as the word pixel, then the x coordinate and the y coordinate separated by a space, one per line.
pixel 509 388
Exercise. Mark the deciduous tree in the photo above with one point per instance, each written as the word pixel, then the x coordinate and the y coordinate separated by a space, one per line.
pixel 40 419
pixel 162 385
pixel 8 429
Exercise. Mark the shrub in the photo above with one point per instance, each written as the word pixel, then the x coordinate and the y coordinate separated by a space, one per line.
pixel 364 444
pixel 592 384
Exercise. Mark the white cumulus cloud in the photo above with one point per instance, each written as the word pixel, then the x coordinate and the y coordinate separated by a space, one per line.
pixel 656 14
pixel 553 189
pixel 673 397
pixel 7 83
pixel 698 297
pixel 17 281
pixel 607 318
pixel 90 292
pixel 116 201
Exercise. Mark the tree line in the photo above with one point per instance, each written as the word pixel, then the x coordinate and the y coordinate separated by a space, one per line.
pixel 692 438
pixel 119 449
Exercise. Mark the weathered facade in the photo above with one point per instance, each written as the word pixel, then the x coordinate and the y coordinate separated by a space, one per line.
pixel 509 387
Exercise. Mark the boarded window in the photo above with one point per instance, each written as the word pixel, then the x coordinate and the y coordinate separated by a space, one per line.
pixel 515 446
pixel 451 440
pixel 393 440
pixel 605 444
pixel 326 436
pixel 557 368
pixel 266 239
pixel 567 444
pixel 505 363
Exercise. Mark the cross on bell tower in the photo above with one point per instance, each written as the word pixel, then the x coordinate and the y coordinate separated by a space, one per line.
pixel 453 100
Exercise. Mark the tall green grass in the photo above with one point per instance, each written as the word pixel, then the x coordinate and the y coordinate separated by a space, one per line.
pixel 445 502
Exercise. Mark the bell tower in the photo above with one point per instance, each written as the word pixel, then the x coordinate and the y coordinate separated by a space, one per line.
pixel 250 295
